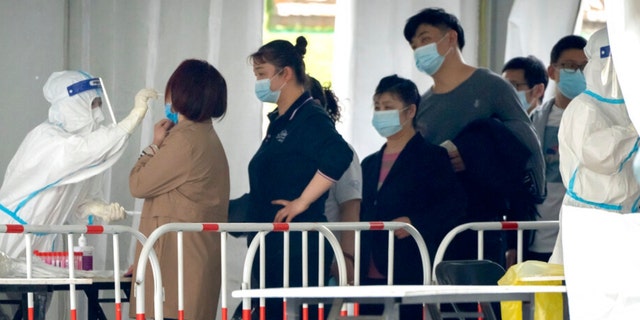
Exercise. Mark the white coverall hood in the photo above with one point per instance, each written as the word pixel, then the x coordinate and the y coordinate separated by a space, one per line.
pixel 71 113
pixel 599 72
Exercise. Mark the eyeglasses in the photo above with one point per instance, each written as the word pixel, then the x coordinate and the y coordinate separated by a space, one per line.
pixel 571 67
pixel 519 85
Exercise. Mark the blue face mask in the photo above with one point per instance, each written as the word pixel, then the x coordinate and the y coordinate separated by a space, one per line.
pixel 572 83
pixel 428 60
pixel 173 116
pixel 522 96
pixel 263 90
pixel 387 122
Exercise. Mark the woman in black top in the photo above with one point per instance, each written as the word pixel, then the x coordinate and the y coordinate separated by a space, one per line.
pixel 301 156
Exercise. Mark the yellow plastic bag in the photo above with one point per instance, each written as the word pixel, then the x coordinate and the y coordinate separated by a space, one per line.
pixel 548 306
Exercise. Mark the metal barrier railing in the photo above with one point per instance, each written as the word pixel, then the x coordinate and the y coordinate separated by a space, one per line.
pixel 261 229
pixel 70 230
pixel 481 227
pixel 357 227
pixel 223 229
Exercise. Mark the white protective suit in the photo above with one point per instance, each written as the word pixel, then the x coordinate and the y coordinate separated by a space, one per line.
pixel 55 176
pixel 598 143
pixel 597 140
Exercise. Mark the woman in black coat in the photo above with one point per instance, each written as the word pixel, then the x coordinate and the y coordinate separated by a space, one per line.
pixel 407 180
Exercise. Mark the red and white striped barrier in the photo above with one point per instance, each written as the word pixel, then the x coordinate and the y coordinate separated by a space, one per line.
pixel 357 227
pixel 223 229
pixel 261 229
pixel 481 227
pixel 70 230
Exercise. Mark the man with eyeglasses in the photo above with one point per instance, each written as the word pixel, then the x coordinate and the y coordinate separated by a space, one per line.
pixel 529 77
pixel 567 62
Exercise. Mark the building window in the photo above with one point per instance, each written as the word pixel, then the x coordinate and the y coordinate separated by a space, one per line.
pixel 313 19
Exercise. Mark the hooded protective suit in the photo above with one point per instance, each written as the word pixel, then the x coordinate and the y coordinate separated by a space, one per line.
pixel 597 145
pixel 597 141
pixel 57 171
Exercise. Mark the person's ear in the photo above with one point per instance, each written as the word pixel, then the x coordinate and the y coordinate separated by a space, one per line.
pixel 538 91
pixel 413 109
pixel 287 73
pixel 453 39
pixel 551 70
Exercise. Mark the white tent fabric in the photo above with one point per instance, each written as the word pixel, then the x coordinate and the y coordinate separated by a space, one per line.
pixel 132 45
pixel 624 35
pixel 136 44
pixel 534 28
pixel 530 30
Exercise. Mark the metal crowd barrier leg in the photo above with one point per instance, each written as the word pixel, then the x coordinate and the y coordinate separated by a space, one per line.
pixel 70 231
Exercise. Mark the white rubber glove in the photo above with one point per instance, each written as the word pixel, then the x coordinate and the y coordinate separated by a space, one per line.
pixel 105 211
pixel 140 107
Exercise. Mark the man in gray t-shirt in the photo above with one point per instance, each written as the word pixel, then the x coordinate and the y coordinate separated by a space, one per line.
pixel 483 94
pixel 462 94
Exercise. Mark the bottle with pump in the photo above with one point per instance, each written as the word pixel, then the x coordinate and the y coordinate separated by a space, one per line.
pixel 87 253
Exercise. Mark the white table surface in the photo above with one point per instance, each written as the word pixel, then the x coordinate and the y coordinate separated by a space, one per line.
pixel 399 294
pixel 45 281
pixel 397 291
pixel 542 278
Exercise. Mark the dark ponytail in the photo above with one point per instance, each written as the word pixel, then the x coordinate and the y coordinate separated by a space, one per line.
pixel 281 54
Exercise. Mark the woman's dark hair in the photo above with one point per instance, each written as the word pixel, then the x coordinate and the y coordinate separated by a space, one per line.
pixel 281 54
pixel 326 97
pixel 197 90
pixel 404 89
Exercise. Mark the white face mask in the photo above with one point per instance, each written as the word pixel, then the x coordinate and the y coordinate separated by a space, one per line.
pixel 98 116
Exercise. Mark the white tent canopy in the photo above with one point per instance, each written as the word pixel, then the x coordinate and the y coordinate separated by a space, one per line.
pixel 137 44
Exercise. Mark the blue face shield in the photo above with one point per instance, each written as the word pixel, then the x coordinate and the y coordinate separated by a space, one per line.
pixel 85 85
pixel 92 84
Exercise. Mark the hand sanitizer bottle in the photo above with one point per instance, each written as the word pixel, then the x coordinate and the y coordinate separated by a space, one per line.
pixel 87 253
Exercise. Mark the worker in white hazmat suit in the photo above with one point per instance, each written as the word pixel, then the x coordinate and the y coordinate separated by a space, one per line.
pixel 597 141
pixel 598 144
pixel 55 176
